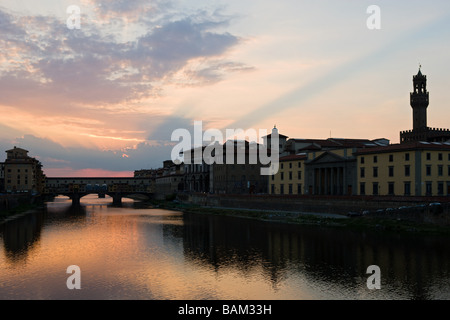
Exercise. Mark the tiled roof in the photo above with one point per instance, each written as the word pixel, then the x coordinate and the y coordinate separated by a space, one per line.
pixel 407 146
pixel 293 157
pixel 336 143
pixel 321 142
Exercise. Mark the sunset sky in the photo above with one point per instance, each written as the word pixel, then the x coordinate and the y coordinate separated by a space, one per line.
pixel 103 100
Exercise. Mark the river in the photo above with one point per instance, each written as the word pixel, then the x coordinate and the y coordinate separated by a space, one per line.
pixel 137 252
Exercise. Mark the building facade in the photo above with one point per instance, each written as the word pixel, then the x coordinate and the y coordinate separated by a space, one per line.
pixel 408 169
pixel 290 178
pixel 196 172
pixel 170 180
pixel 328 166
pixel 240 172
pixel 22 173
pixel 2 177
pixel 331 172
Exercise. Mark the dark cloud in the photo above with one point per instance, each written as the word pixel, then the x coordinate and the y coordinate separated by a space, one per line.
pixel 87 66
pixel 64 73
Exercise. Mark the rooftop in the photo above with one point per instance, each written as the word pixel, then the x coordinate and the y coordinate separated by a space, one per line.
pixel 294 157
pixel 414 145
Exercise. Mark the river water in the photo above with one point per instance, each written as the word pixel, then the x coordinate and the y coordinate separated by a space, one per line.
pixel 136 252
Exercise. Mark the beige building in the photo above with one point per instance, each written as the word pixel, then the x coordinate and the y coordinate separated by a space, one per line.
pixel 22 173
pixel 328 166
pixel 407 169
pixel 290 178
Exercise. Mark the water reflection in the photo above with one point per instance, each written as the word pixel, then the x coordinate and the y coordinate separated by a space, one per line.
pixel 136 252
pixel 20 235
pixel 413 267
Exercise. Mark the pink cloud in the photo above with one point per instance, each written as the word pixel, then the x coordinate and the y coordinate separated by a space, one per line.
pixel 86 173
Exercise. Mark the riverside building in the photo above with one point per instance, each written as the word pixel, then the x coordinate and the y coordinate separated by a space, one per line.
pixel 418 166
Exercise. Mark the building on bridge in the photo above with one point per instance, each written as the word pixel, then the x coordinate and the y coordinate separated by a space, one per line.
pixel 21 173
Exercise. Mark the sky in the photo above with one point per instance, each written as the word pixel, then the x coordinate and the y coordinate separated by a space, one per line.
pixel 104 99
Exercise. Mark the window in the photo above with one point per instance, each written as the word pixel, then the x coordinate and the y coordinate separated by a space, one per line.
pixel 290 165
pixel 429 189
pixel 290 188
pixel 391 171
pixel 362 172
pixel 290 175
pixel 281 188
pixel 407 171
pixel 282 166
pixel 273 177
pixel 440 157
pixel 375 159
pixel 272 189
pixel 440 171
pixel 282 175
pixel 299 188
pixel 362 188
pixel 299 164
pixel 391 188
pixel 375 188
pixel 299 175
pixel 391 158
pixel 375 172
pixel 448 168
pixel 440 188
pixel 407 188
pixel 362 160
pixel 406 156
pixel 428 170
pixel 428 156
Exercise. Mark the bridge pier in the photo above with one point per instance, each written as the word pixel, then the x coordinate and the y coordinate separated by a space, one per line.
pixel 75 199
pixel 117 199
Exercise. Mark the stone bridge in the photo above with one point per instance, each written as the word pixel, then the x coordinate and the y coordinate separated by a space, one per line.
pixel 117 188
